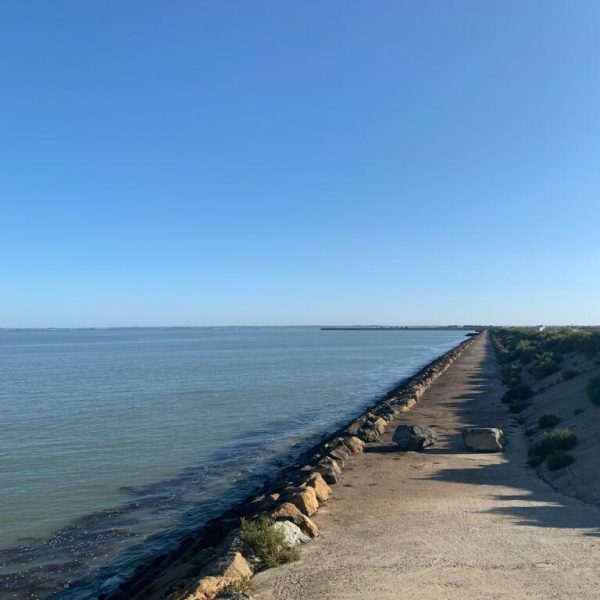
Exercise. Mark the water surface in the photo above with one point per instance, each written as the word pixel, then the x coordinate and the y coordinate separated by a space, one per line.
pixel 111 436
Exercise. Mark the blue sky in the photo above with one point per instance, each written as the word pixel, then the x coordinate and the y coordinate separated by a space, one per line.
pixel 248 162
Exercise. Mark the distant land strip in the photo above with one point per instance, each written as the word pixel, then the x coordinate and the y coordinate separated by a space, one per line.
pixel 404 327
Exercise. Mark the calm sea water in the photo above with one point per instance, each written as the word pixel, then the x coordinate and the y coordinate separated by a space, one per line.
pixel 114 442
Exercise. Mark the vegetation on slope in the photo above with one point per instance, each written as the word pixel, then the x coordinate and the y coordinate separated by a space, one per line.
pixel 526 355
pixel 593 391
pixel 553 446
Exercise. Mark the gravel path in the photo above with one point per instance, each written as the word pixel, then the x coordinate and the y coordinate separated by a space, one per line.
pixel 446 523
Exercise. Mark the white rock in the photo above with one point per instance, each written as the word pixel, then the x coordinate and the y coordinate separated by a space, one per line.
pixel 484 439
pixel 293 534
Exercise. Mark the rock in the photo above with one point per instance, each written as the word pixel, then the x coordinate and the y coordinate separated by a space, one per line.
pixel 354 444
pixel 229 570
pixel 262 503
pixel 294 536
pixel 321 488
pixel 329 462
pixel 419 389
pixel 289 512
pixel 368 434
pixel 339 456
pixel 484 439
pixel 329 475
pixel 354 427
pixel 413 437
pixel 306 501
pixel 406 405
pixel 339 445
pixel 380 424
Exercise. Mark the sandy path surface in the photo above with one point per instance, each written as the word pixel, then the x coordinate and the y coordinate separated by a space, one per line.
pixel 447 524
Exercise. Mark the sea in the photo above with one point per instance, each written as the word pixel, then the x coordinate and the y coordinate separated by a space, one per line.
pixel 115 443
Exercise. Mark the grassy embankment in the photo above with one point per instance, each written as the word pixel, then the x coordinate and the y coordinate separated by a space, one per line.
pixel 534 361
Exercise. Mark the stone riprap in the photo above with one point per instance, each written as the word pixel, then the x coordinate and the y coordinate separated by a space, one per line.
pixel 201 567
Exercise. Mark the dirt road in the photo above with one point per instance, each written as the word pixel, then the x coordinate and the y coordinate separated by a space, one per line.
pixel 447 523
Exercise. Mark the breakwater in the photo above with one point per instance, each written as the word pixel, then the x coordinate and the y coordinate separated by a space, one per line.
pixel 210 559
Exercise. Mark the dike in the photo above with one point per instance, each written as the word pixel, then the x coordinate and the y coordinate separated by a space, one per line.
pixel 211 560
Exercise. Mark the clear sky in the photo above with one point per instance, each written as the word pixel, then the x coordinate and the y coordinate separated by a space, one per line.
pixel 250 162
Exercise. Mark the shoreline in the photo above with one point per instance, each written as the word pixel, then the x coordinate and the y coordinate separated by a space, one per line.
pixel 449 522
pixel 175 572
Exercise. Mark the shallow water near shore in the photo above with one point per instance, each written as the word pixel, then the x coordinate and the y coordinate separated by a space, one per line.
pixel 115 442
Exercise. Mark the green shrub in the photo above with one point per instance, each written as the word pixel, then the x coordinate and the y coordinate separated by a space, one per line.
pixel 578 411
pixel 551 441
pixel 547 421
pixel 526 351
pixel 517 393
pixel 593 391
pixel 569 374
pixel 511 374
pixel 518 406
pixel 547 364
pixel 559 460
pixel 265 542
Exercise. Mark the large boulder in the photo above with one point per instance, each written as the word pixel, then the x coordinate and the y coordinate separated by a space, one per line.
pixel 484 439
pixel 414 437
pixel 293 535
